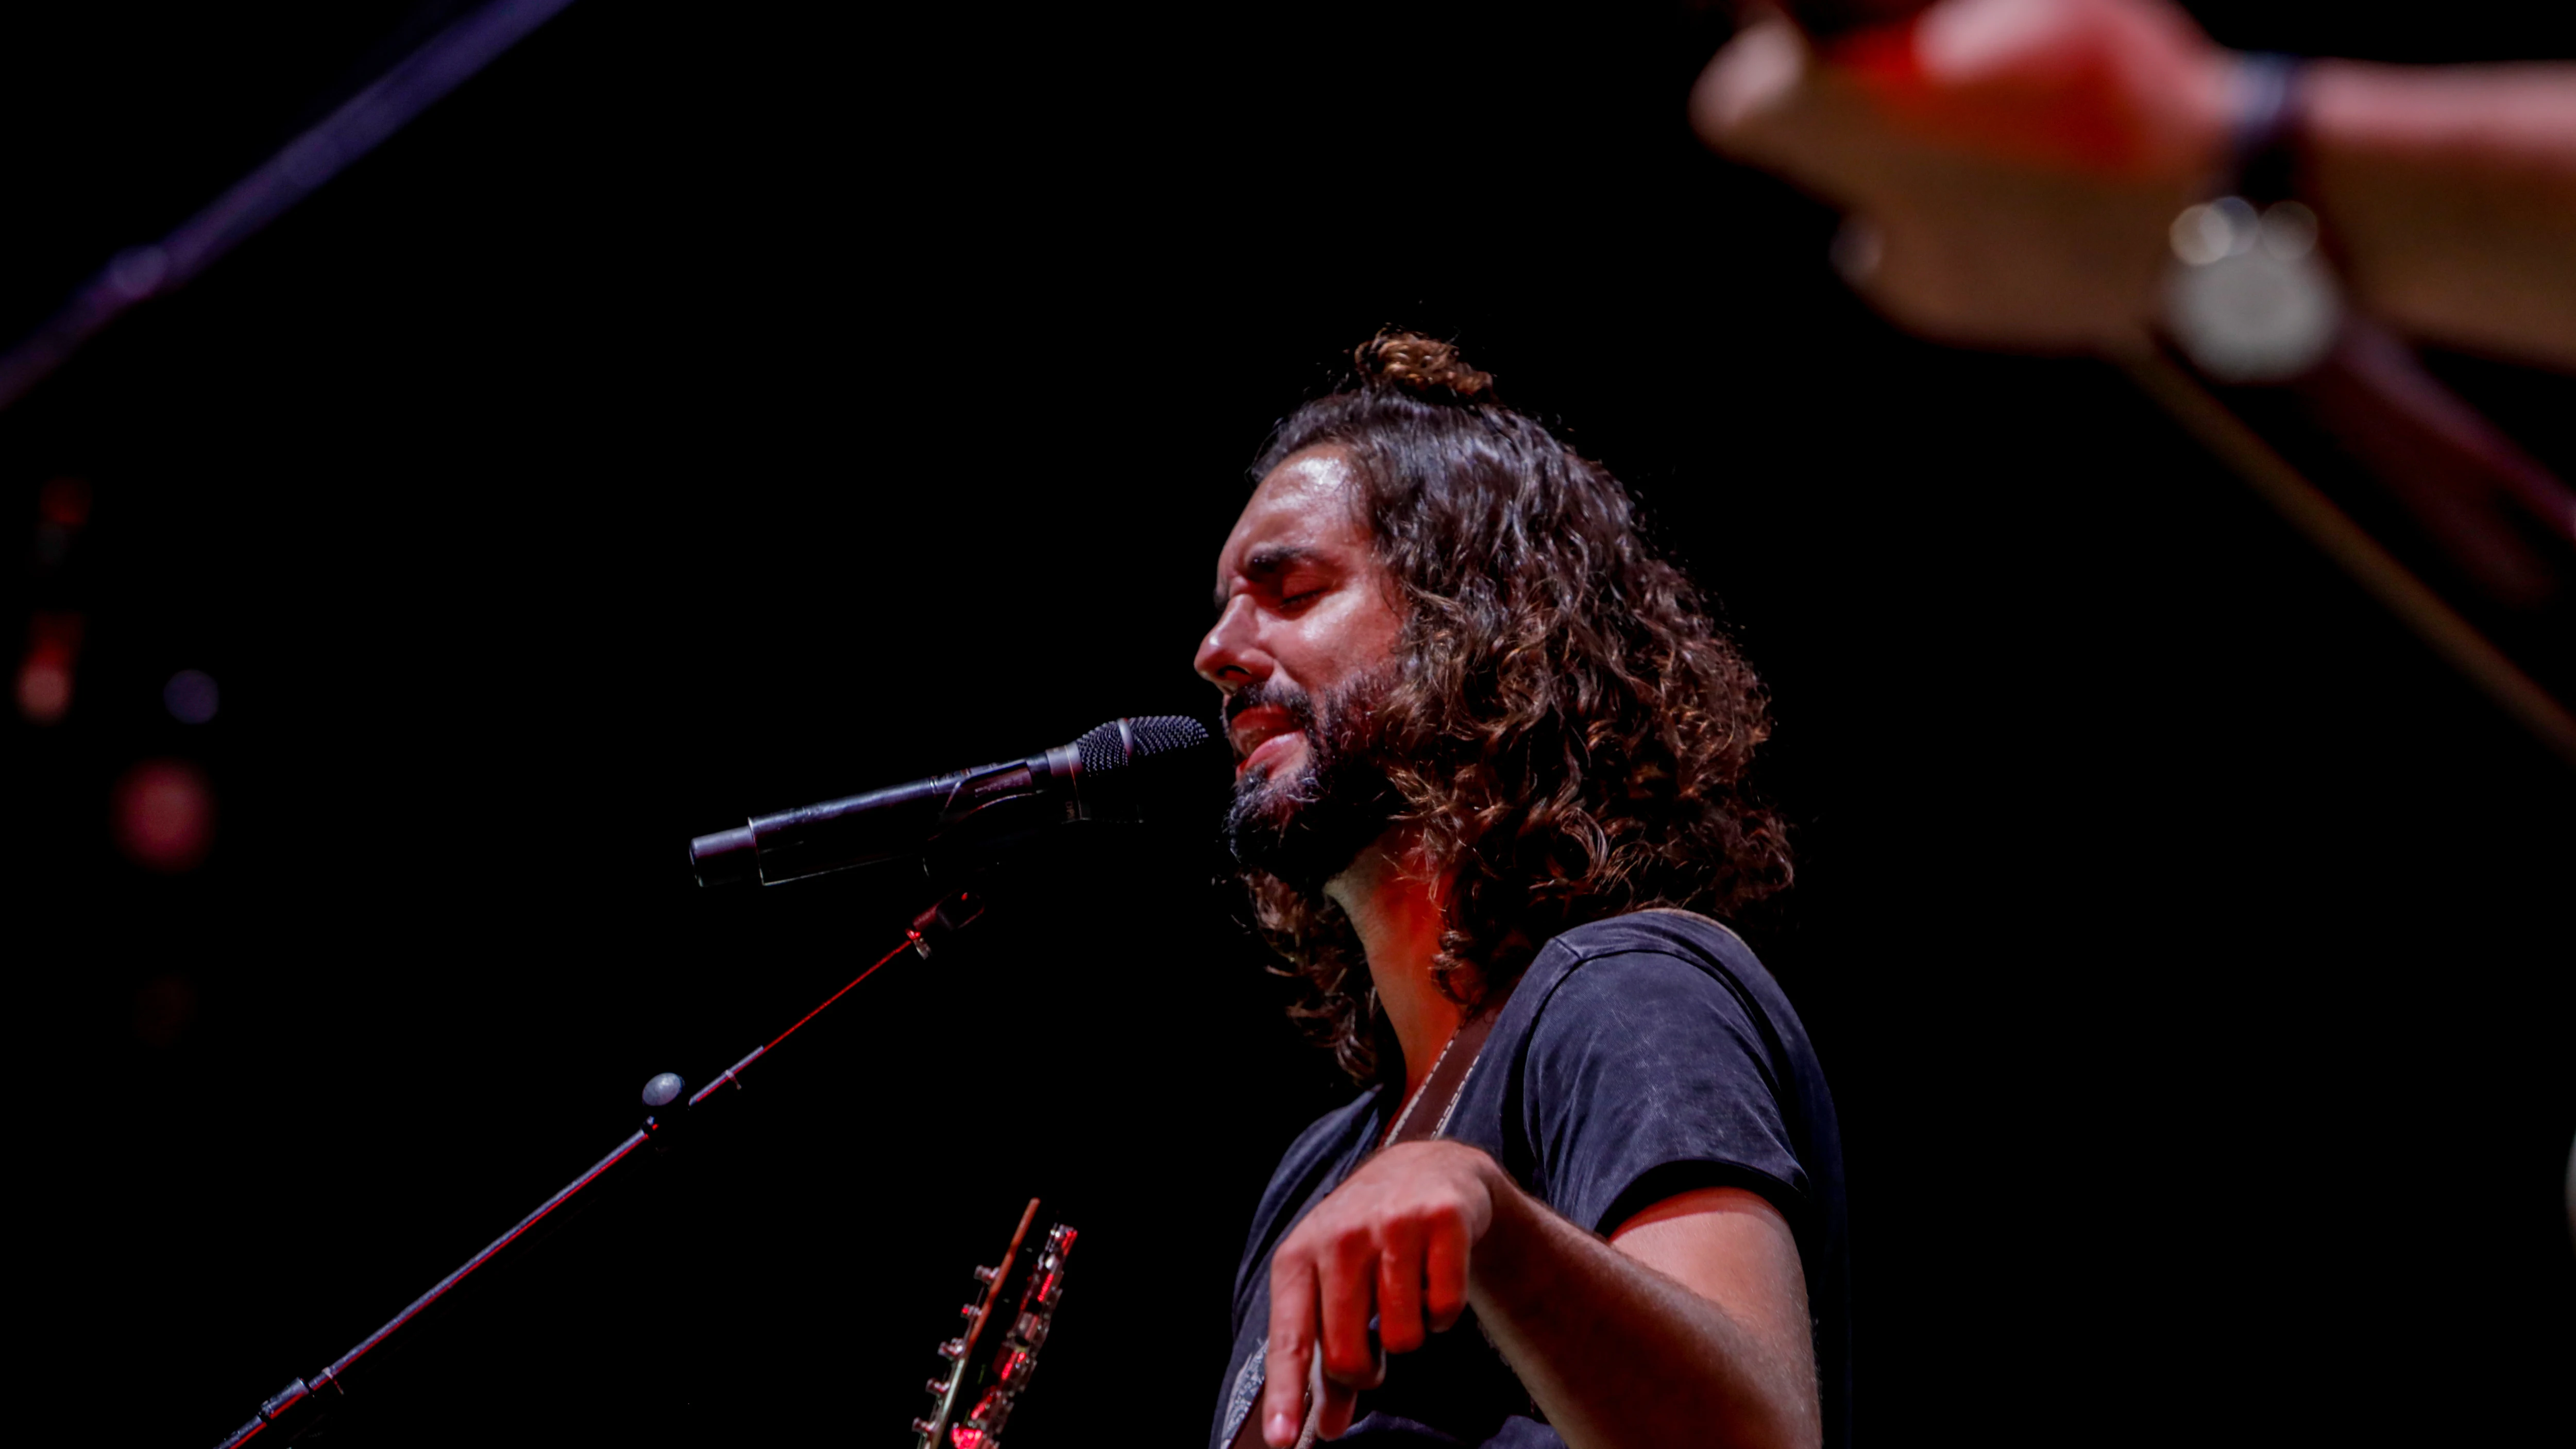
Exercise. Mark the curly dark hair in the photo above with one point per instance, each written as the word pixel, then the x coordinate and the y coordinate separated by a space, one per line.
pixel 1567 730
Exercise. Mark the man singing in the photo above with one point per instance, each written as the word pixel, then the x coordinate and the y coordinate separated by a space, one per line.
pixel 1489 767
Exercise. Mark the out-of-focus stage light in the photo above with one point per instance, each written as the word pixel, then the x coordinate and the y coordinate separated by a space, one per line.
pixel 2249 296
pixel 61 509
pixel 64 502
pixel 45 674
pixel 164 814
pixel 44 688
pixel 191 696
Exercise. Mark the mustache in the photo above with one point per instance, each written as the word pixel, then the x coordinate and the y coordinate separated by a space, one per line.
pixel 1297 703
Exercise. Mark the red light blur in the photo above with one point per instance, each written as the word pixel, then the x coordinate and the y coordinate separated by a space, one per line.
pixel 45 674
pixel 64 503
pixel 164 813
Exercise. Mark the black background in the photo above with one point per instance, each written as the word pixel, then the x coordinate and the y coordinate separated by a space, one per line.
pixel 706 411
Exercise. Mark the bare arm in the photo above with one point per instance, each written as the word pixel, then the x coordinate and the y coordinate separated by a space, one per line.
pixel 2453 190
pixel 1690 1327
pixel 2014 163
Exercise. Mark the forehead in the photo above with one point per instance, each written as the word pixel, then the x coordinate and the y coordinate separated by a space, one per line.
pixel 1306 506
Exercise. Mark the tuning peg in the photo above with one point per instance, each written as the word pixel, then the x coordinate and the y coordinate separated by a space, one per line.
pixel 987 1275
pixel 953 1349
pixel 936 1388
pixel 969 1311
pixel 923 1426
pixel 1060 1237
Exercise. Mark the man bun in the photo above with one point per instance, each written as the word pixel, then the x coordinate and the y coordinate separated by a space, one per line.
pixel 1425 367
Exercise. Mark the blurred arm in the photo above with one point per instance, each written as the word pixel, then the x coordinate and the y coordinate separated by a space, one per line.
pixel 2012 166
pixel 2452 193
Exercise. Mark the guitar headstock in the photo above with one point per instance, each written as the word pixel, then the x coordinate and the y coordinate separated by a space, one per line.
pixel 989 1363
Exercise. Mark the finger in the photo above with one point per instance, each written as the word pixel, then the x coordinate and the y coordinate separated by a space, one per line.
pixel 1766 100
pixel 1340 1403
pixel 1399 1288
pixel 1292 1348
pixel 1444 1274
pixel 1346 1291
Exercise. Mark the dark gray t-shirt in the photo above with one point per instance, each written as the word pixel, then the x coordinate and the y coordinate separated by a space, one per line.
pixel 1640 1056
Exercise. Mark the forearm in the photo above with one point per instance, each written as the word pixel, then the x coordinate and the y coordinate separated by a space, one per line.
pixel 2451 192
pixel 1617 1354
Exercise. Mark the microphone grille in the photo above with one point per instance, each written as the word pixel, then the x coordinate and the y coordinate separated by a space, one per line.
pixel 1123 742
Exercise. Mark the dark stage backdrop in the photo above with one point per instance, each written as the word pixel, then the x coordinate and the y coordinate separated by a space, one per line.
pixel 710 410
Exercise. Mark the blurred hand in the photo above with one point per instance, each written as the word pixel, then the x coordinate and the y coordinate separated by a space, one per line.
pixel 2009 167
pixel 1391 1242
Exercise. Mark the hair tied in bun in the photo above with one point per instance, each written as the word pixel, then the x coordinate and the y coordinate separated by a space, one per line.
pixel 1423 366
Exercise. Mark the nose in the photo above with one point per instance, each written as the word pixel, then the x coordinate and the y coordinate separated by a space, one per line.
pixel 1231 655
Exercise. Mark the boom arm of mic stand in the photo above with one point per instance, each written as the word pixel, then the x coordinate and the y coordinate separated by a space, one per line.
pixel 294 1410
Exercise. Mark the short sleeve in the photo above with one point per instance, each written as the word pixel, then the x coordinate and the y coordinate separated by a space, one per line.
pixel 1647 1076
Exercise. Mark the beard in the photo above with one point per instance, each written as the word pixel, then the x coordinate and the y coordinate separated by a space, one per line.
pixel 1308 826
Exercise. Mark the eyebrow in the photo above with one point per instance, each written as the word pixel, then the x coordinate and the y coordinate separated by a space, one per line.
pixel 1269 561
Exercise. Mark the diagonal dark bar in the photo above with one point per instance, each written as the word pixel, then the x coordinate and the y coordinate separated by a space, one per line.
pixel 446 61
pixel 295 1409
pixel 280 1408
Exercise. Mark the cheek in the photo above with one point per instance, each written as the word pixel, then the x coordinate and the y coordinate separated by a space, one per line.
pixel 1368 630
pixel 1388 626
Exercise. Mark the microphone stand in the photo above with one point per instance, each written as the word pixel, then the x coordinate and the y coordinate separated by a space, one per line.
pixel 297 1408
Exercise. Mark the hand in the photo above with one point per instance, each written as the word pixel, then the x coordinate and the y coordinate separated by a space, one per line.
pixel 1392 1241
pixel 2011 166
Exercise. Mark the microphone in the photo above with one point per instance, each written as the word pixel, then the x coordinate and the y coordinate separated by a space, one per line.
pixel 1104 775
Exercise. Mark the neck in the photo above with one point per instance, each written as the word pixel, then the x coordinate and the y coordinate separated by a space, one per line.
pixel 1395 907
